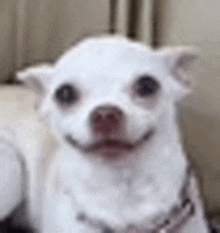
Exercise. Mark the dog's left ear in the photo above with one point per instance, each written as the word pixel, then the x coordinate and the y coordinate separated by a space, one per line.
pixel 180 62
pixel 36 78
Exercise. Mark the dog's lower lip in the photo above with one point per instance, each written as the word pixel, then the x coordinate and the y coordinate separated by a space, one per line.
pixel 111 144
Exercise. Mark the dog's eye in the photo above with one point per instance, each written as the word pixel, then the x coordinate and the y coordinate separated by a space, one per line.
pixel 146 86
pixel 66 94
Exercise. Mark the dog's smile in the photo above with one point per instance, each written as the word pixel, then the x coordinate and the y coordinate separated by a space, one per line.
pixel 109 144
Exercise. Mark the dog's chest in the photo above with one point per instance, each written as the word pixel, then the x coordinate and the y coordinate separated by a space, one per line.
pixel 120 198
pixel 118 191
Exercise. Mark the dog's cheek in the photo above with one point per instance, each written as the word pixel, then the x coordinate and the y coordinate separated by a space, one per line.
pixel 138 123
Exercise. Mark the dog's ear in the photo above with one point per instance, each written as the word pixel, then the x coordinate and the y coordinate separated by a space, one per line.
pixel 36 78
pixel 181 61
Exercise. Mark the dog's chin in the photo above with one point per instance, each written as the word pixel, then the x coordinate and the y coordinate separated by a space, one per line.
pixel 110 146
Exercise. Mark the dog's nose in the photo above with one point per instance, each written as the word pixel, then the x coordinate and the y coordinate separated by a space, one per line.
pixel 105 119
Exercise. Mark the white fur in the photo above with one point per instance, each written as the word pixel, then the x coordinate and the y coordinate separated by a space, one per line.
pixel 141 185
pixel 10 170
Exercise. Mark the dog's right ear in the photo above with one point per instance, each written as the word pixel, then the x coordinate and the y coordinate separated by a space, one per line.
pixel 36 78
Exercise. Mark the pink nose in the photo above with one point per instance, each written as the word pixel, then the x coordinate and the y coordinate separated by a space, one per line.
pixel 105 119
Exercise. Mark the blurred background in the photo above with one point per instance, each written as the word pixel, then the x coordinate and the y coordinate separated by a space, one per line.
pixel 35 30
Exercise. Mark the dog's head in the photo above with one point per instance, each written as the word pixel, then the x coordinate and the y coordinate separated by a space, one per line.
pixel 110 94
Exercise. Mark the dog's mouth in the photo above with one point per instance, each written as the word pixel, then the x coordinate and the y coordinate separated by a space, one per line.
pixel 109 144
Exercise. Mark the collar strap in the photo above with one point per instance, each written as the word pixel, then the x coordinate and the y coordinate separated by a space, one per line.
pixel 180 215
pixel 175 222
pixel 179 219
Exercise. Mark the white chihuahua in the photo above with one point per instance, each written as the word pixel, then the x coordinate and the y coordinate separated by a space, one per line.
pixel 119 165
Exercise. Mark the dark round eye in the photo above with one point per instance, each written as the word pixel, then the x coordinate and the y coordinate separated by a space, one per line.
pixel 66 94
pixel 146 86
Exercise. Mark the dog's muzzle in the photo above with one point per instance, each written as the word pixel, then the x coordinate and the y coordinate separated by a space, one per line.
pixel 105 121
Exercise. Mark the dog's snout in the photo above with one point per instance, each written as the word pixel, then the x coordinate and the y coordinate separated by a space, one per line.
pixel 106 118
